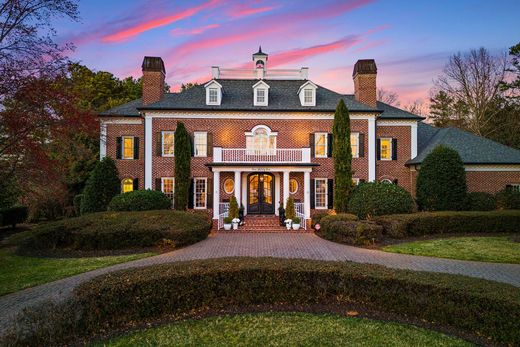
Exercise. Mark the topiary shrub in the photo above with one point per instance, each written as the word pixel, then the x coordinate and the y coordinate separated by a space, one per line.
pixel 140 200
pixel 290 211
pixel 480 201
pixel 342 154
pixel 76 202
pixel 233 207
pixel 441 182
pixel 102 185
pixel 13 215
pixel 376 199
pixel 508 199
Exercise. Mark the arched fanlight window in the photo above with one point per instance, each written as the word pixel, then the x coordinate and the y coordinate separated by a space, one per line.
pixel 261 140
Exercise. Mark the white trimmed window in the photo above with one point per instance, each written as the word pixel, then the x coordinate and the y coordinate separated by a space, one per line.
pixel 200 192
pixel 229 185
pixel 168 143
pixel 128 147
pixel 386 148
pixel 355 181
pixel 308 96
pixel 387 181
pixel 320 193
pixel 213 95
pixel 127 185
pixel 320 145
pixel 515 187
pixel 260 96
pixel 168 187
pixel 354 143
pixel 261 141
pixel 201 144
pixel 293 185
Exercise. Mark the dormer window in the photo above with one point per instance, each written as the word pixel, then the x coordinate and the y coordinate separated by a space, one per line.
pixel 261 93
pixel 213 93
pixel 307 94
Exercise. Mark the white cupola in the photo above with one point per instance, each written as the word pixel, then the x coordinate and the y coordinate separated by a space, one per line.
pixel 260 62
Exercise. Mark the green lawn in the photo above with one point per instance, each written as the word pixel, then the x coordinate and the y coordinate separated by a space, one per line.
pixel 479 248
pixel 285 329
pixel 19 272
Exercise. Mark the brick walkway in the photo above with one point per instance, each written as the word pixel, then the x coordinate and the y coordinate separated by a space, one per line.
pixel 288 245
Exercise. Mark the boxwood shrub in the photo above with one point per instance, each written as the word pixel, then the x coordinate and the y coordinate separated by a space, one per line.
pixel 376 199
pixel 480 201
pixel 140 200
pixel 344 228
pixel 426 223
pixel 482 308
pixel 119 230
pixel 508 199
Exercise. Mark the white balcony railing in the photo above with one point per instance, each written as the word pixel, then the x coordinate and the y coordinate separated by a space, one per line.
pixel 244 155
pixel 300 213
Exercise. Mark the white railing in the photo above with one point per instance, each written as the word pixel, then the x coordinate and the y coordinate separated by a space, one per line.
pixel 244 155
pixel 299 207
pixel 293 74
pixel 223 209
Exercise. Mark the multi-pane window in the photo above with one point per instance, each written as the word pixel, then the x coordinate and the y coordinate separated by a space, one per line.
pixel 128 147
pixel 355 181
pixel 354 143
pixel 307 96
pixel 320 193
pixel 200 192
pixel 213 95
pixel 168 186
pixel 128 185
pixel 320 145
pixel 168 143
pixel 260 96
pixel 293 185
pixel 515 187
pixel 386 149
pixel 261 142
pixel 201 144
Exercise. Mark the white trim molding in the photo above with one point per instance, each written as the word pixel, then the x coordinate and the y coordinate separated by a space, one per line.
pixel 122 120
pixel 414 140
pixel 102 141
pixel 396 123
pixel 148 153
pixel 372 149
pixel 492 168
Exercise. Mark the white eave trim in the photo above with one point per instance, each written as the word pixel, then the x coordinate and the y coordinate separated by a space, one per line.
pixel 492 168
pixel 261 82
pixel 212 82
pixel 305 85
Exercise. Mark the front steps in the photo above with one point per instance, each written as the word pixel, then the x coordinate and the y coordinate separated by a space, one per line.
pixel 261 224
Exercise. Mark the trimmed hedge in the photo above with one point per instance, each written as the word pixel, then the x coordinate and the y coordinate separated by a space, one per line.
pixel 13 215
pixel 444 222
pixel 76 202
pixel 343 229
pixel 508 199
pixel 140 200
pixel 120 230
pixel 376 199
pixel 317 217
pixel 480 201
pixel 482 308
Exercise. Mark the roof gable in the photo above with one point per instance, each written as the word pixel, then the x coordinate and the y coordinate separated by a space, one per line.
pixel 261 83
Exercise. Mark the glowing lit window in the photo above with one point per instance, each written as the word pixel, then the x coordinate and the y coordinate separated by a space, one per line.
pixel 200 192
pixel 128 147
pixel 386 149
pixel 293 185
pixel 320 193
pixel 262 142
pixel 168 186
pixel 168 143
pixel 320 145
pixel 354 144
pixel 355 181
pixel 229 185
pixel 201 144
pixel 128 185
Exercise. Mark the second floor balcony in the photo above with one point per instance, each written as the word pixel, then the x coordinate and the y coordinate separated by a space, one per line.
pixel 271 155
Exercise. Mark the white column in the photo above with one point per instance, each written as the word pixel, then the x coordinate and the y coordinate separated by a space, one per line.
pixel 371 149
pixel 307 194
pixel 148 152
pixel 285 187
pixel 277 193
pixel 102 141
pixel 414 141
pixel 238 186
pixel 216 194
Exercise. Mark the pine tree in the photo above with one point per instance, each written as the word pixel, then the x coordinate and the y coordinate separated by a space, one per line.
pixel 233 207
pixel 182 152
pixel 342 154
pixel 102 185
pixel 290 210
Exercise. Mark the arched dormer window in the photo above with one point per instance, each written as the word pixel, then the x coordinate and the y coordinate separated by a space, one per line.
pixel 261 140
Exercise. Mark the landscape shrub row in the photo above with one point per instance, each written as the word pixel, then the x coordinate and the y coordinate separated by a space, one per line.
pixel 346 228
pixel 119 230
pixel 140 200
pixel 487 309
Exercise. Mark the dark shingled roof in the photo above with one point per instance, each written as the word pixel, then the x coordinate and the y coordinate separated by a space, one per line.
pixel 237 96
pixel 472 149
pixel 129 109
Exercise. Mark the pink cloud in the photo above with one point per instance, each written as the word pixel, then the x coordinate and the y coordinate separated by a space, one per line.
pixel 243 10
pixel 194 31
pixel 135 30
pixel 370 45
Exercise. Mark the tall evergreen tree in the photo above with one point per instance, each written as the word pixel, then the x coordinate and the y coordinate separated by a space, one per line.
pixel 102 185
pixel 182 152
pixel 342 154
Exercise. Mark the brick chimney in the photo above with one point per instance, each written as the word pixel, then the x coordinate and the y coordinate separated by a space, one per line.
pixel 153 79
pixel 365 88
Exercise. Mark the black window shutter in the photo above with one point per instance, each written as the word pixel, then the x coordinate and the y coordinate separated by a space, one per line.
pixel 192 140
pixel 330 193
pixel 311 144
pixel 158 144
pixel 313 201
pixel 136 183
pixel 378 149
pixel 210 144
pixel 119 147
pixel 158 184
pixel 509 187
pixel 361 145
pixel 136 148
pixel 395 181
pixel 330 144
pixel 362 181
pixel 190 194
pixel 394 149
pixel 209 193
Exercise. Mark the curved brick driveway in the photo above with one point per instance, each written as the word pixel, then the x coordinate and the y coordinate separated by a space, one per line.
pixel 294 245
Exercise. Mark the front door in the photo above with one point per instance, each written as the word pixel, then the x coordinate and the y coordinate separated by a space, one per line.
pixel 260 193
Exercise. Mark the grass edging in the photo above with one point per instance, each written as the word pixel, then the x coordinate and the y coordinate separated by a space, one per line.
pixel 472 306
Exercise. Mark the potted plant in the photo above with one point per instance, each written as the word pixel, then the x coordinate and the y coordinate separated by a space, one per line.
pixel 288 223
pixel 233 212
pixel 296 223
pixel 227 223
pixel 235 222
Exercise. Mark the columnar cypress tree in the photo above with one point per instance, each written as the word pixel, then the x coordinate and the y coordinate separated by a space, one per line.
pixel 342 154
pixel 102 185
pixel 441 182
pixel 182 152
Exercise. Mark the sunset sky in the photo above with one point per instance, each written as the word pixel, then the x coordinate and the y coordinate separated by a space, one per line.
pixel 410 40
